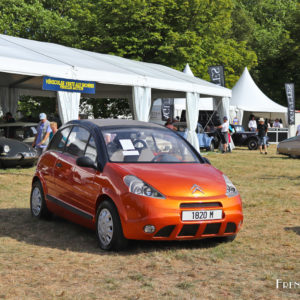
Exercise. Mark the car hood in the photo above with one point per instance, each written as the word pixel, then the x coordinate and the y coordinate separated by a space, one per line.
pixel 179 180
pixel 15 146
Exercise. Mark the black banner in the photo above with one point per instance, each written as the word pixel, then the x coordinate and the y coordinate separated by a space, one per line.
pixel 167 108
pixel 216 74
pixel 290 95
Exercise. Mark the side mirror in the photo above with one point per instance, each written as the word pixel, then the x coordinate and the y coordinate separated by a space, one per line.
pixel 86 162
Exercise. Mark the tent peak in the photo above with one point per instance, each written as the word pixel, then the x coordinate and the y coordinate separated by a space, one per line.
pixel 187 70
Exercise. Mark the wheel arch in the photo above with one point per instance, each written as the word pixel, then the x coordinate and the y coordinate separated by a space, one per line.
pixel 118 205
pixel 37 178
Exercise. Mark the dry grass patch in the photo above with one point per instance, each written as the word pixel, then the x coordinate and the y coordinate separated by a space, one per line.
pixel 60 260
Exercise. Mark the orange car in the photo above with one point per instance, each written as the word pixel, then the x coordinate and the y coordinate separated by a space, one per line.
pixel 132 180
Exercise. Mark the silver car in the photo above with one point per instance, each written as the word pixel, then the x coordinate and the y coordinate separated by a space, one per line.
pixel 290 147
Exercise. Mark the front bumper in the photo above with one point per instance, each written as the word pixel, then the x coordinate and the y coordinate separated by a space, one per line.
pixel 165 215
pixel 17 160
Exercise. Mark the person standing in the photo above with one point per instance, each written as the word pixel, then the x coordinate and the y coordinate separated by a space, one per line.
pixel 53 126
pixel 262 130
pixel 43 132
pixel 252 125
pixel 276 123
pixel 8 118
pixel 224 134
pixel 298 130
pixel 169 124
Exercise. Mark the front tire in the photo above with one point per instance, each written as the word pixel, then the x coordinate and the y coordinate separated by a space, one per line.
pixel 109 228
pixel 211 147
pixel 38 205
pixel 252 144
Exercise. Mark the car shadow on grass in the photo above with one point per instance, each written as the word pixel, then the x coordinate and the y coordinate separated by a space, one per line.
pixel 18 224
pixel 296 229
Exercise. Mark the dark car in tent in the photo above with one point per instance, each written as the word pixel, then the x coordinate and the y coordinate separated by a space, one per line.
pixel 241 137
pixel 21 131
pixel 14 153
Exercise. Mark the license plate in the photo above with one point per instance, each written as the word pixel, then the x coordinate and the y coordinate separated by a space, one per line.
pixel 200 215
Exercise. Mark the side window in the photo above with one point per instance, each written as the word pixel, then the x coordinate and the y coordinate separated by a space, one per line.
pixel 91 150
pixel 77 141
pixel 60 139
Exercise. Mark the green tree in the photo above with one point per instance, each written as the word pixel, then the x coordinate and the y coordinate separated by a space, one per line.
pixel 29 19
pixel 271 29
pixel 31 107
pixel 105 108
pixel 169 32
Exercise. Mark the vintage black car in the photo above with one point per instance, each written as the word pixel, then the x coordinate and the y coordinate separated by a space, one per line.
pixel 241 137
pixel 14 153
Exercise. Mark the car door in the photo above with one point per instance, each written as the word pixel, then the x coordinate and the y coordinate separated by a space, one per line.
pixel 62 169
pixel 85 188
pixel 50 170
pixel 65 166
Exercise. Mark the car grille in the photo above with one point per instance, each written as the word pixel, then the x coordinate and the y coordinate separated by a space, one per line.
pixel 212 228
pixel 200 204
pixel 195 230
pixel 189 230
pixel 165 231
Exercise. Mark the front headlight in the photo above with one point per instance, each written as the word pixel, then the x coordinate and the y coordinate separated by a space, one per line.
pixel 231 190
pixel 6 148
pixel 139 187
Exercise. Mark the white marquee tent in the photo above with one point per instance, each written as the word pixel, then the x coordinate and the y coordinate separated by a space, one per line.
pixel 247 97
pixel 24 63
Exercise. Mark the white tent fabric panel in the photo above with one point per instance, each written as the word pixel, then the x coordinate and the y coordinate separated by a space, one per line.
pixel 9 99
pixel 192 100
pixel 141 103
pixel 68 106
pixel 28 57
pixel 248 97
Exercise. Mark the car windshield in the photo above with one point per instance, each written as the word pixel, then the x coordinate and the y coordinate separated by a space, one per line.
pixel 239 129
pixel 138 145
pixel 18 132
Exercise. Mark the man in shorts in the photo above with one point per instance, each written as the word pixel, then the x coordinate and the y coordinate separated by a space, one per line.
pixel 224 134
pixel 262 130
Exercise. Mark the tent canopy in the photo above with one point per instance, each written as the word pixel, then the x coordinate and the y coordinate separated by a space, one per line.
pixel 23 63
pixel 248 97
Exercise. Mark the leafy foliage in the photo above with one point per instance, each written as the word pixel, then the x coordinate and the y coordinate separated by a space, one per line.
pixel 260 34
pixel 105 108
pixel 271 28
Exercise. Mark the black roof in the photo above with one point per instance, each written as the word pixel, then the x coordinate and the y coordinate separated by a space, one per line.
pixel 116 123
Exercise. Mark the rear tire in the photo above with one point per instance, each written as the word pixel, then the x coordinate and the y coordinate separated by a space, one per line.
pixel 252 144
pixel 38 206
pixel 109 228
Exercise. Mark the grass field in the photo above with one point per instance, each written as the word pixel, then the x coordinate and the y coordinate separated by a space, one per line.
pixel 60 260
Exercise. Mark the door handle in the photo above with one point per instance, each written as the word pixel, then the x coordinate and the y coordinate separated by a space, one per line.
pixel 59 165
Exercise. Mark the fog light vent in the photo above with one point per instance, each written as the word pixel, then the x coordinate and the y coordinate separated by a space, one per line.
pixel 149 228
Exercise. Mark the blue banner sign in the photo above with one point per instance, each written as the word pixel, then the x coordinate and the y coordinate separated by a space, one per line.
pixel 69 85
